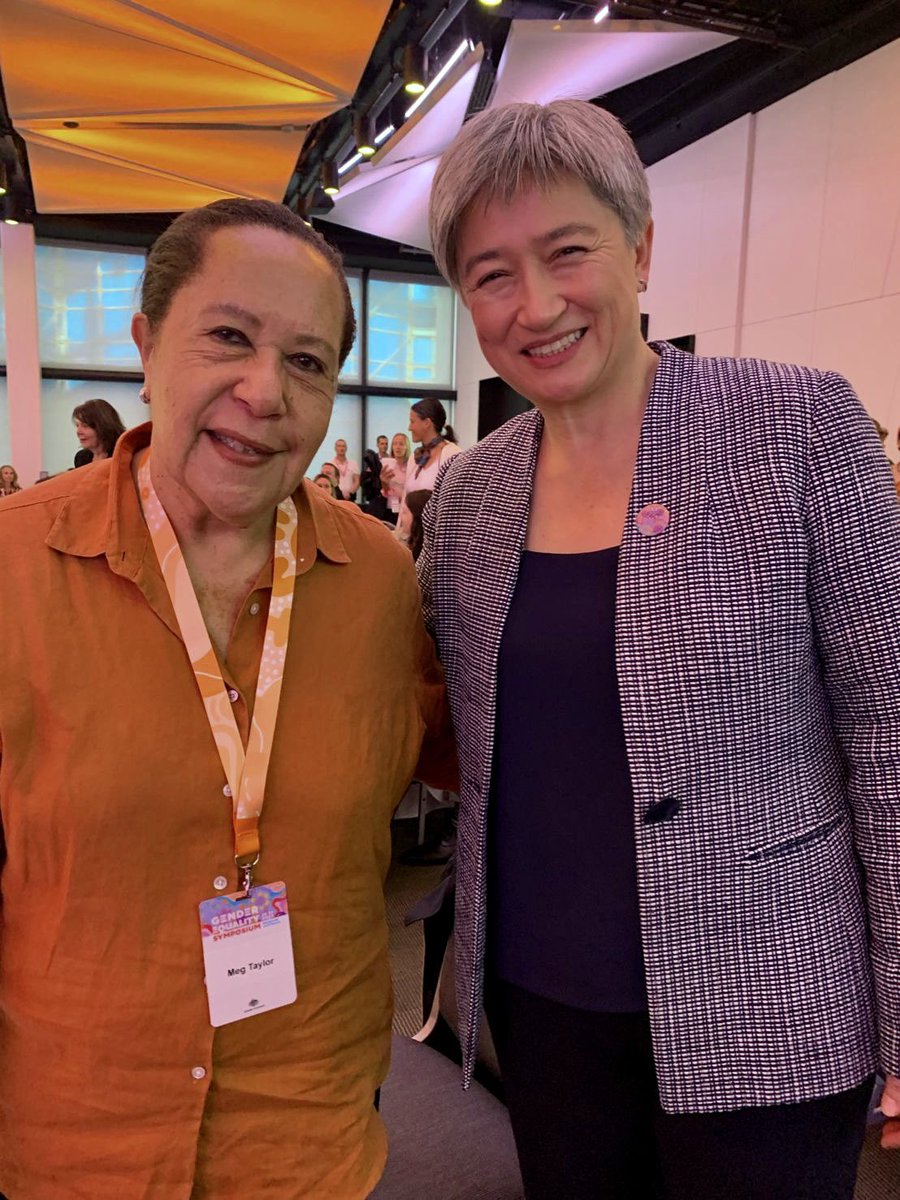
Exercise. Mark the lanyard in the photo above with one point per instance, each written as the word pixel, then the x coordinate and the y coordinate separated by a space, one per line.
pixel 245 771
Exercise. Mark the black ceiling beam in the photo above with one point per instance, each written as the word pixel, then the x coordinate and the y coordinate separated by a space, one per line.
pixel 422 22
pixel 674 108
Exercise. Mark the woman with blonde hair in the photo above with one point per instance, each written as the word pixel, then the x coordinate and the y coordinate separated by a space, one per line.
pixel 393 474
pixel 9 480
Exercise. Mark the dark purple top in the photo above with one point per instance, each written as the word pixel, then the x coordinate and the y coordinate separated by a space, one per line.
pixel 562 886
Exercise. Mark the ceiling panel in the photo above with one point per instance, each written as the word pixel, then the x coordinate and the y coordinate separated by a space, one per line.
pixel 186 91
pixel 552 60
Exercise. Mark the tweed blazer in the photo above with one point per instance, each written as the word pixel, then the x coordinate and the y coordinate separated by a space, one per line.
pixel 758 659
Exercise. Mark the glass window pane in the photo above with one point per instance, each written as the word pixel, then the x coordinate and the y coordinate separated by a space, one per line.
pixel 350 369
pixel 5 451
pixel 2 318
pixel 390 415
pixel 60 396
pixel 85 301
pixel 411 331
pixel 346 423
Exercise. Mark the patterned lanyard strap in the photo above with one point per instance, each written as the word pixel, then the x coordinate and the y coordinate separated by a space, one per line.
pixel 245 771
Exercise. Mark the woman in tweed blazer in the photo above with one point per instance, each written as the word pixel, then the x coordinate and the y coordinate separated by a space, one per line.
pixel 696 655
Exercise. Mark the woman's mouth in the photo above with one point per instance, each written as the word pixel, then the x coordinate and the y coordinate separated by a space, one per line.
pixel 252 451
pixel 549 349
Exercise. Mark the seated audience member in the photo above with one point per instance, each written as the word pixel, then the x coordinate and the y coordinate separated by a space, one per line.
pixel 372 500
pixel 348 470
pixel 409 527
pixel 9 481
pixel 327 484
pixel 229 826
pixel 393 475
pixel 98 427
pixel 329 469
pixel 678 866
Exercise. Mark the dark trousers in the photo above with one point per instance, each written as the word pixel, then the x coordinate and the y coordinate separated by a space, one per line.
pixel 584 1104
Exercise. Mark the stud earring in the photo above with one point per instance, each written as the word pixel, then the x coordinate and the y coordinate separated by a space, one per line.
pixel 144 396
pixel 642 285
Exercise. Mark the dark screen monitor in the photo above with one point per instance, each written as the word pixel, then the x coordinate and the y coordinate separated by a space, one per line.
pixel 497 403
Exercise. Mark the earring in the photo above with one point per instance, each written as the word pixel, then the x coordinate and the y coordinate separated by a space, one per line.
pixel 642 285
pixel 144 396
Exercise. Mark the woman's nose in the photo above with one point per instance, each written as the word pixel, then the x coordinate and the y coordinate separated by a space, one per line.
pixel 262 385
pixel 540 304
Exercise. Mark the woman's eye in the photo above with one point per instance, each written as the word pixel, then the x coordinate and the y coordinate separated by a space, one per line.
pixel 491 277
pixel 568 251
pixel 230 337
pixel 307 362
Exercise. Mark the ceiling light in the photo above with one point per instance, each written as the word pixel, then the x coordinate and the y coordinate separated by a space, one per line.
pixel 364 134
pixel 491 3
pixel 384 135
pixel 445 69
pixel 601 14
pixel 329 175
pixel 349 164
pixel 415 70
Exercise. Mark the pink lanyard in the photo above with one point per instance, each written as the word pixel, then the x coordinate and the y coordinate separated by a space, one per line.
pixel 245 771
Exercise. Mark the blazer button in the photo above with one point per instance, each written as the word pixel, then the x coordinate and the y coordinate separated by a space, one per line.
pixel 662 810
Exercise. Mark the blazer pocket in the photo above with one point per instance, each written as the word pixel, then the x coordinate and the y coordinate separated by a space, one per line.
pixel 787 846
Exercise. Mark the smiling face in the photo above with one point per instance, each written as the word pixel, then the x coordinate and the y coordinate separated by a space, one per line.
pixel 87 436
pixel 242 373
pixel 552 286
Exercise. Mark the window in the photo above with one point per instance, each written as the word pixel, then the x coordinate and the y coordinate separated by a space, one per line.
pixel 346 423
pixel 85 301
pixel 60 396
pixel 410 331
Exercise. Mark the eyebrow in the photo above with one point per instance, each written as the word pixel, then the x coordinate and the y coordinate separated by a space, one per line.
pixel 304 340
pixel 573 229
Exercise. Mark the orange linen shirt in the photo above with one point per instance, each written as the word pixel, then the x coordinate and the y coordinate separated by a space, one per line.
pixel 113 1084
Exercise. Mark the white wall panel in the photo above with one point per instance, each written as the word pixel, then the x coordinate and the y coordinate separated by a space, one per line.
pixel 786 339
pixel 862 194
pixel 698 210
pixel 786 207
pixel 860 340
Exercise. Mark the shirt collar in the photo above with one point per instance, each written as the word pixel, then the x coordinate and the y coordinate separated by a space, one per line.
pixel 102 515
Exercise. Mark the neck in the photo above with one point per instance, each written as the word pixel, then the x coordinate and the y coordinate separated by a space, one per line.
pixel 99 453
pixel 201 534
pixel 581 428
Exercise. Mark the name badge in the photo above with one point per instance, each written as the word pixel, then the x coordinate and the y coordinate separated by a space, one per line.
pixel 247 953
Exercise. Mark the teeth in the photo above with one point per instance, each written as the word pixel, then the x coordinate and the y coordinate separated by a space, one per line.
pixel 555 347
pixel 240 447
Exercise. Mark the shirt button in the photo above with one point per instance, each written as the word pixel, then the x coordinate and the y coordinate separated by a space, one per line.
pixel 233 695
pixel 220 883
pixel 254 608
pixel 226 790
pixel 198 1072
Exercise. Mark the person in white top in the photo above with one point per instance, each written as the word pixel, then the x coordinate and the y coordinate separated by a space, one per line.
pixel 428 426
pixel 348 470
pixel 393 474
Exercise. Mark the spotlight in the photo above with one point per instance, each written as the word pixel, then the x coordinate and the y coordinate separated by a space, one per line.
pixel 415 70
pixel 3 179
pixel 331 184
pixel 491 3
pixel 364 134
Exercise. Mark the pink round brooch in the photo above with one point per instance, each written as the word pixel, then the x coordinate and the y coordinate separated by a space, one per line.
pixel 652 519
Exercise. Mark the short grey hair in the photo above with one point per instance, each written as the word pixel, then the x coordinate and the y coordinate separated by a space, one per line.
pixel 502 151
